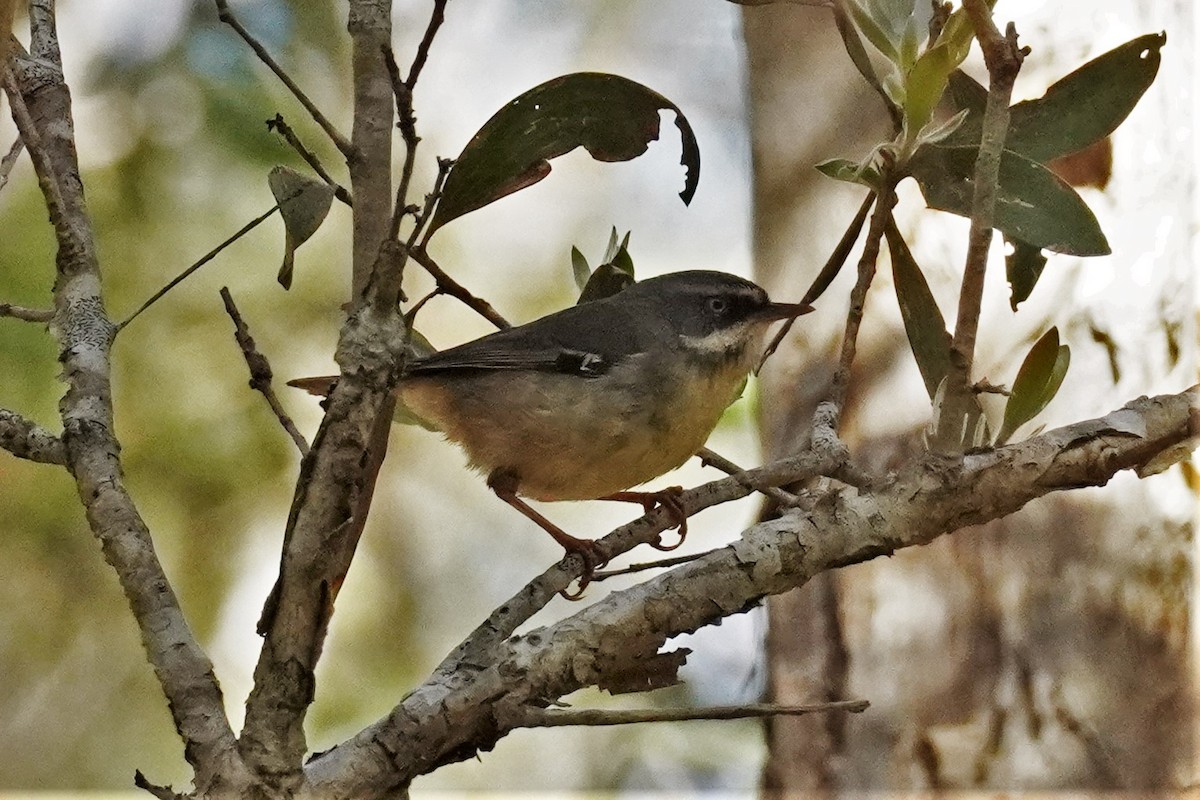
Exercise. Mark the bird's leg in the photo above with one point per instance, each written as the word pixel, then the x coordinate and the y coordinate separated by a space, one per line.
pixel 669 499
pixel 504 484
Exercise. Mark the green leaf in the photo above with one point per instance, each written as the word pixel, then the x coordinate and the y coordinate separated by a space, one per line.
pixel 923 321
pixel 925 84
pixel 1032 203
pixel 608 279
pixel 614 273
pixel 1037 381
pixel 611 117
pixel 1023 266
pixel 303 203
pixel 858 55
pixel 845 170
pixel 969 95
pixel 958 33
pixel 870 27
pixel 935 132
pixel 580 268
pixel 1077 110
pixel 1088 104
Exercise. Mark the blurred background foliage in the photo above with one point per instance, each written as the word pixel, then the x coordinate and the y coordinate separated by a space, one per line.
pixel 170 111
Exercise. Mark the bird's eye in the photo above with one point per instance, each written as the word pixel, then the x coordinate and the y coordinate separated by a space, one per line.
pixel 717 305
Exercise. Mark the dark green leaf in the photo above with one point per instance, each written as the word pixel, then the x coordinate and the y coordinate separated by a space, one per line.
pixel 613 118
pixel 1032 203
pixel 1023 266
pixel 580 268
pixel 1037 381
pixel 303 203
pixel 871 27
pixel 614 273
pixel 843 169
pixel 1077 110
pixel 923 321
pixel 968 95
pixel 858 55
pixel 1088 104
pixel 608 279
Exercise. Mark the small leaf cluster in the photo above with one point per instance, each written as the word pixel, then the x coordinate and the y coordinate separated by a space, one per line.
pixel 938 110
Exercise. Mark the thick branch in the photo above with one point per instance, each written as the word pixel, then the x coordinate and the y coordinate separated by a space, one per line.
pixel 337 477
pixel 84 333
pixel 1003 59
pixel 451 716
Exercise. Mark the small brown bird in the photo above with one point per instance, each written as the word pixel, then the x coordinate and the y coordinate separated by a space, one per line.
pixel 589 401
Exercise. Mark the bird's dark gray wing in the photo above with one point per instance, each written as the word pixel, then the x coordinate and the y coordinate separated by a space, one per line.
pixel 582 340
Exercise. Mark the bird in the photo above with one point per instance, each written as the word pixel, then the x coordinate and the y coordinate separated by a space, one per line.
pixel 589 401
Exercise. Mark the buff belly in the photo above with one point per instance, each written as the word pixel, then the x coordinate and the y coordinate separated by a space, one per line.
pixel 572 438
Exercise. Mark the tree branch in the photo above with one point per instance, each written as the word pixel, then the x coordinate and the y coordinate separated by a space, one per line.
pixel 84 333
pixel 260 370
pixel 26 314
pixel 453 715
pixel 1003 58
pixel 337 478
pixel 26 439
pixel 533 717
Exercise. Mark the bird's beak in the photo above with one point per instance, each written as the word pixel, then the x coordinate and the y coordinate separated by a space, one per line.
pixel 774 311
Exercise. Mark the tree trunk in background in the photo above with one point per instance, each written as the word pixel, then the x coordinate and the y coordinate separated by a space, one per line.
pixel 1048 650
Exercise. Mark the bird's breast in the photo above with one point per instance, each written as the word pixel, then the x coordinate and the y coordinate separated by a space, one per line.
pixel 568 437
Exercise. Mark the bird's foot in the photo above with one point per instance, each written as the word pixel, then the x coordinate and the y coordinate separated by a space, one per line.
pixel 669 499
pixel 593 555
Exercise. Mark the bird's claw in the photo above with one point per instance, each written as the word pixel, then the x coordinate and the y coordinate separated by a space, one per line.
pixel 593 556
pixel 669 500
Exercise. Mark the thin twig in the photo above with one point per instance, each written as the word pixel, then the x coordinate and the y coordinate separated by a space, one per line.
pixel 283 129
pixel 643 566
pixel 260 370
pixel 711 458
pixel 532 717
pixel 833 265
pixel 858 295
pixel 26 314
pixel 341 142
pixel 209 256
pixel 435 22
pixel 447 285
pixel 26 439
pixel 9 160
pixel 407 123
pixel 431 200
pixel 410 316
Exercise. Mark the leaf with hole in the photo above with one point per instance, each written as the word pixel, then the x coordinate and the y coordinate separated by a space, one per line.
pixel 611 117
pixel 1037 381
pixel 1077 110
pixel 303 203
